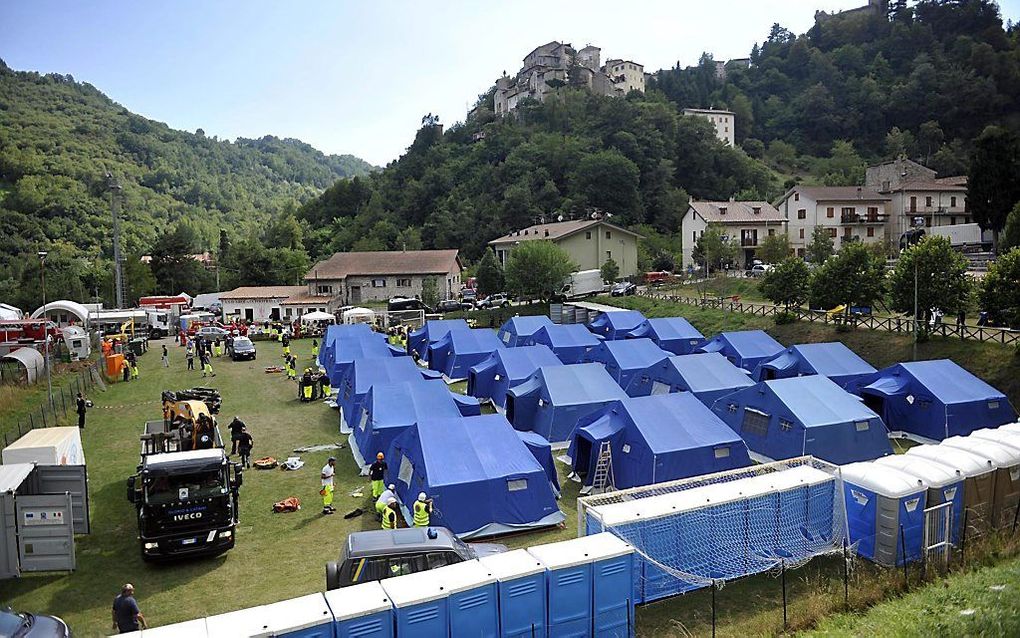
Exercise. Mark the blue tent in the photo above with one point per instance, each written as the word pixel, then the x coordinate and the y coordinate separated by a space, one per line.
pixel 673 334
pixel 833 360
pixel 552 399
pixel 617 324
pixel 347 350
pixel 785 418
pixel 656 439
pixel 365 373
pixel 459 349
pixel 626 359
pixel 328 343
pixel 708 376
pixel 569 342
pixel 933 400
pixel 745 349
pixel 391 408
pixel 481 477
pixel 419 340
pixel 518 330
pixel 542 451
pixel 504 369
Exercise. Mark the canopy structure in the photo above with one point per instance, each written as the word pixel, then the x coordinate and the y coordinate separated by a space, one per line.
pixel 656 439
pixel 482 479
pixel 626 359
pixel 317 315
pixel 10 313
pixel 348 350
pixel 933 400
pixel 552 399
pixel 745 349
pixel 31 360
pixel 617 325
pixel 506 368
pixel 569 342
pixel 357 315
pixel 708 376
pixel 542 451
pixel 672 334
pixel 784 418
pixel 518 330
pixel 458 350
pixel 328 345
pixel 833 360
pixel 72 307
pixel 434 330
pixel 391 408
pixel 364 373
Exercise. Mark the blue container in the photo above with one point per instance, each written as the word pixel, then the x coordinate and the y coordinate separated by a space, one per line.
pixel 361 611
pixel 473 602
pixel 521 586
pixel 420 605
pixel 884 511
pixel 305 617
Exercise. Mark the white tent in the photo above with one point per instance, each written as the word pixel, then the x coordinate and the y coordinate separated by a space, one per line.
pixel 72 307
pixel 32 361
pixel 358 315
pixel 10 313
pixel 316 315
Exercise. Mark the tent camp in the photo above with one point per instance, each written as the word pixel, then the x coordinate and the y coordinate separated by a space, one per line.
pixel 434 330
pixel 569 342
pixel 552 399
pixel 334 332
pixel 518 330
pixel 505 368
pixel 481 477
pixel 708 376
pixel 391 408
pixel 364 373
pixel 745 349
pixel 932 400
pixel 347 350
pixel 784 418
pixel 616 325
pixel 833 360
pixel 458 350
pixel 626 359
pixel 656 439
pixel 542 451
pixel 672 334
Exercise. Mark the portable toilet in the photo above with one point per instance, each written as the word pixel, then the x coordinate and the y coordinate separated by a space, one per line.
pixel 978 482
pixel 590 586
pixel 242 623
pixel 420 604
pixel 520 579
pixel 945 484
pixel 1010 427
pixel 304 617
pixel 1006 460
pixel 473 599
pixel 884 511
pixel 361 611
pixel 999 435
pixel 187 629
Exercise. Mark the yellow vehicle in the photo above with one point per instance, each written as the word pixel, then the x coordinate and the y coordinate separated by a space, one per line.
pixel 187 411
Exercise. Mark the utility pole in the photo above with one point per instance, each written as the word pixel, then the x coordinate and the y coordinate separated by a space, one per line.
pixel 118 276
pixel 46 330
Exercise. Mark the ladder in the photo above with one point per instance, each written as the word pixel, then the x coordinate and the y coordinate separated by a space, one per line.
pixel 603 480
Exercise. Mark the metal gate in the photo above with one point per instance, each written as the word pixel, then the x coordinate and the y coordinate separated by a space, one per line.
pixel 938 533
pixel 46 535
pixel 67 479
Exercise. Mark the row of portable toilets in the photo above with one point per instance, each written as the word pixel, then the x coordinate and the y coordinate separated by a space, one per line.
pixel 978 475
pixel 579 587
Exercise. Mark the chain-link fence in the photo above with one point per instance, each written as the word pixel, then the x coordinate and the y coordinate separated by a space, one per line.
pixel 60 410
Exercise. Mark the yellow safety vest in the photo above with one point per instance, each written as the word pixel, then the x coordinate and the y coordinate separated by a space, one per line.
pixel 389 518
pixel 421 514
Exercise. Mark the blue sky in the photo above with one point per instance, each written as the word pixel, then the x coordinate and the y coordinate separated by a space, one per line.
pixel 352 77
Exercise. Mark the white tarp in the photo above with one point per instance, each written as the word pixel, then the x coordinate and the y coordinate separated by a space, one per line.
pixel 316 315
pixel 31 359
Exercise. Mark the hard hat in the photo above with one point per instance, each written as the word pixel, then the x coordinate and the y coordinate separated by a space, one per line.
pixel 421 496
pixel 332 458
pixel 380 456
pixel 391 487
pixel 391 501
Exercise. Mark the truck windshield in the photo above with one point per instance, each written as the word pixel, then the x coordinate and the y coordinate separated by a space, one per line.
pixel 184 487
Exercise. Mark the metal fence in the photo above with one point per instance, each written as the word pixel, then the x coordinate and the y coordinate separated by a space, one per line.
pixel 49 415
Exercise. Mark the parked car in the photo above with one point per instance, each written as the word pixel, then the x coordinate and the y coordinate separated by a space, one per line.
pixel 406 303
pixel 468 294
pixel 379 554
pixel 212 332
pixel 758 270
pixel 242 348
pixel 497 300
pixel 622 289
pixel 25 625
pixel 453 305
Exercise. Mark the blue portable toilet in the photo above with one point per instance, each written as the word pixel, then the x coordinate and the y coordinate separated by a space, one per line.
pixel 517 331
pixel 833 360
pixel 745 349
pixel 520 579
pixel 304 617
pixel 625 359
pixel 945 484
pixel 616 324
pixel 706 376
pixel 420 604
pixel 885 512
pixel 363 374
pixel 418 341
pixel 361 611
pixel 569 342
pixel 590 585
pixel 672 334
pixel 473 599
pixel 503 369
pixel 458 350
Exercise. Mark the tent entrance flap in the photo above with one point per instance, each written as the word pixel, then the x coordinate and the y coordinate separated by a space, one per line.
pixel 582 458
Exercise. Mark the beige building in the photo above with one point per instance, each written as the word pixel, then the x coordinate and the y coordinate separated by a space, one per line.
pixel 746 223
pixel 590 243
pixel 356 277
pixel 259 303
pixel 626 75
pixel 723 121
pixel 849 213
pixel 915 192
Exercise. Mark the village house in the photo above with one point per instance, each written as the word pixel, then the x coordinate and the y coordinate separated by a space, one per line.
pixel 848 213
pixel 723 121
pixel 916 194
pixel 589 242
pixel 358 277
pixel 257 303
pixel 748 223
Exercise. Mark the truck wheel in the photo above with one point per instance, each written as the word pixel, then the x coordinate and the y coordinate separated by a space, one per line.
pixel 332 576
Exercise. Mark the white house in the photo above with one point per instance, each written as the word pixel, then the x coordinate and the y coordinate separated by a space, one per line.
pixel 849 213
pixel 723 121
pixel 747 223
pixel 258 303
pixel 357 277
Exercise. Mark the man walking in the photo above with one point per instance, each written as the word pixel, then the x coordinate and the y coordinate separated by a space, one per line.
pixel 245 443
pixel 127 617
pixel 376 474
pixel 328 470
pixel 236 427
pixel 81 405
pixel 166 357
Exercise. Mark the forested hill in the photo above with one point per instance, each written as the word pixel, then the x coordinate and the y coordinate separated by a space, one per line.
pixel 59 138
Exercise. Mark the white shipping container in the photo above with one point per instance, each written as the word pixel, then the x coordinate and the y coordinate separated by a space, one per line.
pixel 47 446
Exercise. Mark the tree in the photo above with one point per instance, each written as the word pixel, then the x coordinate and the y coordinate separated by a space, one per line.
pixel 1011 233
pixel 855 277
pixel 430 292
pixel 489 276
pixel 774 248
pixel 609 181
pixel 993 189
pixel 1000 290
pixel 712 250
pixel 609 271
pixel 941 278
pixel 537 268
pixel 820 247
pixel 787 283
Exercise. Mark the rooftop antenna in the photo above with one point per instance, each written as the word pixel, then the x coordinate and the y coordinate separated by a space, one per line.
pixel 118 282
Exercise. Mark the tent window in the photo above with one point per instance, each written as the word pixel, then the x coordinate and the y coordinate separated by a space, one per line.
pixel 516 485
pixel 506 337
pixel 862 426
pixel 406 470
pixel 786 425
pixel 993 405
pixel 755 422
pixel 722 452
pixel 364 420
pixel 659 388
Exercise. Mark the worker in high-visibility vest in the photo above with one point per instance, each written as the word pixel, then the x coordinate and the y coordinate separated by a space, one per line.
pixel 315 348
pixel 391 514
pixel 422 510
pixel 384 499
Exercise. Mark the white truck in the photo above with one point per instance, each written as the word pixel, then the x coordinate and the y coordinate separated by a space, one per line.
pixel 583 283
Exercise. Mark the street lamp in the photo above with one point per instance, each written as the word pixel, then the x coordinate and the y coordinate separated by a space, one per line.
pixel 918 222
pixel 46 332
